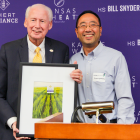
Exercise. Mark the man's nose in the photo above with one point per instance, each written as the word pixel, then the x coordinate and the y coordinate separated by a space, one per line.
pixel 37 25
pixel 88 28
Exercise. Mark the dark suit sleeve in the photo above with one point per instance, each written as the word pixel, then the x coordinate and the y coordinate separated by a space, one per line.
pixel 66 60
pixel 6 111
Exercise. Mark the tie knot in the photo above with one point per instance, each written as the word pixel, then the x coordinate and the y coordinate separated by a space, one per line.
pixel 37 49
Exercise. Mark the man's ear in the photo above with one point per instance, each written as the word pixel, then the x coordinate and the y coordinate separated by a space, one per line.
pixel 76 31
pixel 25 23
pixel 50 25
pixel 100 31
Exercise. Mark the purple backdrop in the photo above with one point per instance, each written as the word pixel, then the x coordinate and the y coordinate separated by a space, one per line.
pixel 120 22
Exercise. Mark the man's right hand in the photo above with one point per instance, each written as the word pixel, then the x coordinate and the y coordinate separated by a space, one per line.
pixel 15 130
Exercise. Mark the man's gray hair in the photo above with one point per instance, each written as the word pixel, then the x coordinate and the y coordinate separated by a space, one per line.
pixel 49 11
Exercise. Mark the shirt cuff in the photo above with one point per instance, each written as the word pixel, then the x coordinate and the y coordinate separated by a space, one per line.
pixel 11 121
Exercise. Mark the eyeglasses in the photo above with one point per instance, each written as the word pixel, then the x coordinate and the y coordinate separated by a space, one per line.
pixel 84 26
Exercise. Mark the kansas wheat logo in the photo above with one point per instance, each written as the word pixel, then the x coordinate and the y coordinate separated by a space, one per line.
pixel 59 3
pixel 4 4
pixel 61 14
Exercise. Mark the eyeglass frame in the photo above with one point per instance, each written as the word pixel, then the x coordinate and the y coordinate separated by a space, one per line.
pixel 85 26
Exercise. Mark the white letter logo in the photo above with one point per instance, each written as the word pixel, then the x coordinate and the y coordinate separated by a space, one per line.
pixel 4 4
pixel 59 3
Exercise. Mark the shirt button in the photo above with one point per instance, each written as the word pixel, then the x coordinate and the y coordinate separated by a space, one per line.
pixel 87 73
pixel 88 99
pixel 87 86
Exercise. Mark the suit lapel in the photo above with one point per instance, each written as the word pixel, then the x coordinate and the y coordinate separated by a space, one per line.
pixel 49 50
pixel 23 50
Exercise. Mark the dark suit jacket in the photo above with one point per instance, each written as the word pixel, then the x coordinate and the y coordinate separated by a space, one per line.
pixel 11 54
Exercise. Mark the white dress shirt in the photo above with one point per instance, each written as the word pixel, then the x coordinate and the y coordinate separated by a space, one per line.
pixel 32 47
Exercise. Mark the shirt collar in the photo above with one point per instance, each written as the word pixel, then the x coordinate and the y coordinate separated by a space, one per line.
pixel 32 47
pixel 95 52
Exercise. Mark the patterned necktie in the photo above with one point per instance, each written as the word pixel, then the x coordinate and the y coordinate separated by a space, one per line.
pixel 38 57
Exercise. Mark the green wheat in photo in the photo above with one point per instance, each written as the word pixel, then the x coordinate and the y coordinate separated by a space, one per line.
pixel 47 99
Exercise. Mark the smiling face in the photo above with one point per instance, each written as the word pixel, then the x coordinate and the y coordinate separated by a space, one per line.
pixel 37 24
pixel 90 34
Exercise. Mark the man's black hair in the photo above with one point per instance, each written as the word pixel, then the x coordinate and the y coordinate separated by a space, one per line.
pixel 85 12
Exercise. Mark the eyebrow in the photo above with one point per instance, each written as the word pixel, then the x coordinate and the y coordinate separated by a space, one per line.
pixel 89 22
pixel 39 19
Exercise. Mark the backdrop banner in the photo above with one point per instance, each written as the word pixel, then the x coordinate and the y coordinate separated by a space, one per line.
pixel 120 22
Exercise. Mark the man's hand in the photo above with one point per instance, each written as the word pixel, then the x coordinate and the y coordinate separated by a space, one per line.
pixel 76 75
pixel 15 130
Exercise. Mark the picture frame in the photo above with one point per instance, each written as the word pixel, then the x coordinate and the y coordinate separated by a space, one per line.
pixel 44 89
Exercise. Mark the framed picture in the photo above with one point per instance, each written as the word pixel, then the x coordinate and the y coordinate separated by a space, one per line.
pixel 44 89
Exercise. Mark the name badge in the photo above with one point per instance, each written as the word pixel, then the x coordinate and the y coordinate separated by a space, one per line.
pixel 100 77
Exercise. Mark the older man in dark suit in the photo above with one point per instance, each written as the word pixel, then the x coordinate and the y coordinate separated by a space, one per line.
pixel 38 21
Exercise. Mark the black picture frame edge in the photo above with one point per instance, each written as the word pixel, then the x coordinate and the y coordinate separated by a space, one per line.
pixel 20 82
